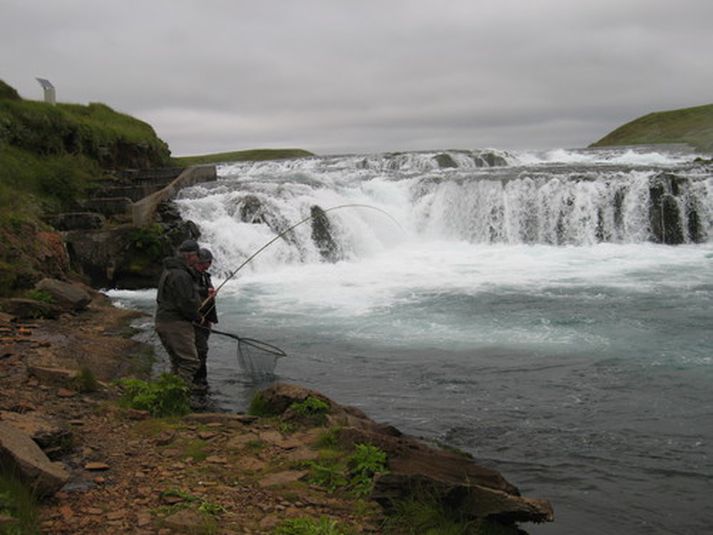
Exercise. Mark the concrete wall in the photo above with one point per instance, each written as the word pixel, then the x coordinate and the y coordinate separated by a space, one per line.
pixel 143 212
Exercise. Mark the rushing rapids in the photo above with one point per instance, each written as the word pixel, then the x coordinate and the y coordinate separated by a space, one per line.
pixel 487 197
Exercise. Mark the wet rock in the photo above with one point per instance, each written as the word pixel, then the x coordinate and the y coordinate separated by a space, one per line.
pixel 492 159
pixel 66 295
pixel 322 235
pixel 20 452
pixel 445 161
pixel 251 210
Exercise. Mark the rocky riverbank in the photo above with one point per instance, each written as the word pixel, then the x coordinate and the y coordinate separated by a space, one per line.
pixel 101 468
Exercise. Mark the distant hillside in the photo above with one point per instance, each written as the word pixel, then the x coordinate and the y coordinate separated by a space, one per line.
pixel 689 125
pixel 243 156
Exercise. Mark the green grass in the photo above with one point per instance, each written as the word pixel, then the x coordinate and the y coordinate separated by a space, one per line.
pixel 242 156
pixel 95 131
pixel 421 514
pixel 168 396
pixel 18 502
pixel 51 157
pixel 689 125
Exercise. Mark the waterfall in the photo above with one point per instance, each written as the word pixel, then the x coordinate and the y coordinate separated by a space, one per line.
pixel 558 198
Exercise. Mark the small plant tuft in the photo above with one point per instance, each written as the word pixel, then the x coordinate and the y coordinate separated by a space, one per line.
pixel 85 381
pixel 39 295
pixel 169 396
pixel 312 409
pixel 366 462
pixel 260 407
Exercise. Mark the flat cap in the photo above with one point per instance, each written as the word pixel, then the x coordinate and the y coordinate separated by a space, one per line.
pixel 188 246
pixel 204 255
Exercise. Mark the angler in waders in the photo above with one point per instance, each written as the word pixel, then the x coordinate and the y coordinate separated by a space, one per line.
pixel 178 300
pixel 210 316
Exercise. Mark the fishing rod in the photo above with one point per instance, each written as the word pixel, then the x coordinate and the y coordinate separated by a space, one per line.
pixel 258 344
pixel 289 229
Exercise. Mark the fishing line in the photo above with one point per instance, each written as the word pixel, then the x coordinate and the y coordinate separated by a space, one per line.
pixel 281 234
pixel 249 348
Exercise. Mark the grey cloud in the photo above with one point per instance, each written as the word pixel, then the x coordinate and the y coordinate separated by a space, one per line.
pixel 347 76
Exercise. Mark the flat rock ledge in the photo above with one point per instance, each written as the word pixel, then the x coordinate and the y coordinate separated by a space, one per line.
pixel 453 478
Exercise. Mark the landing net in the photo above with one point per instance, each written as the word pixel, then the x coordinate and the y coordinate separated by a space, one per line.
pixel 257 358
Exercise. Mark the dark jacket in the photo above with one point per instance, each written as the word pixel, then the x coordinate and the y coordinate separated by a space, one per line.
pixel 177 297
pixel 208 310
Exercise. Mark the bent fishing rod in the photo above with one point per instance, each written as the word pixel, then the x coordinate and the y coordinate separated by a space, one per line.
pixel 264 346
pixel 289 229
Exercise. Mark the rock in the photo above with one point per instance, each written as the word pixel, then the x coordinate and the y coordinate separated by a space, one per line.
pixel 29 308
pixel 66 295
pixel 65 393
pixel 455 479
pixel 53 376
pixel 78 220
pixel 209 418
pixel 45 433
pixel 492 160
pixel 19 451
pixel 95 466
pixel 185 521
pixel 445 161
pixel 282 478
pixel 250 210
pixel 322 235
pixel 240 441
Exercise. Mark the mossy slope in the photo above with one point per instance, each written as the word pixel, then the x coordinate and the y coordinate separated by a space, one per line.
pixel 688 125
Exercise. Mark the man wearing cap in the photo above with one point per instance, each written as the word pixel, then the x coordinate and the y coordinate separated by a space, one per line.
pixel 210 316
pixel 178 300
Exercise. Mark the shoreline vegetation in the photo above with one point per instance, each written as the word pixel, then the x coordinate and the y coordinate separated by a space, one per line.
pixel 117 452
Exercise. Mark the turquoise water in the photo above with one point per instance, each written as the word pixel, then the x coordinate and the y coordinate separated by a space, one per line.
pixel 581 370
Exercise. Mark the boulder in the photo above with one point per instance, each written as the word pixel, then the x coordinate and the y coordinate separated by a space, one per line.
pixel 47 434
pixel 445 161
pixel 20 454
pixel 453 478
pixel 322 235
pixel 64 294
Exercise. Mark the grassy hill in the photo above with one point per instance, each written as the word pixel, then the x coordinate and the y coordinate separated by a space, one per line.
pixel 688 125
pixel 50 157
pixel 242 156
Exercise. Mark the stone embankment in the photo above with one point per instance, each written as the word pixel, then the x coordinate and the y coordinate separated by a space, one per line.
pixel 105 469
pixel 120 235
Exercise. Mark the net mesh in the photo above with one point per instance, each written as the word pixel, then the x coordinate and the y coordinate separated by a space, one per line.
pixel 256 358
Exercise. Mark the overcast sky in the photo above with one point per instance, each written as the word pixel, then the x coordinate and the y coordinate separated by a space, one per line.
pixel 338 76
